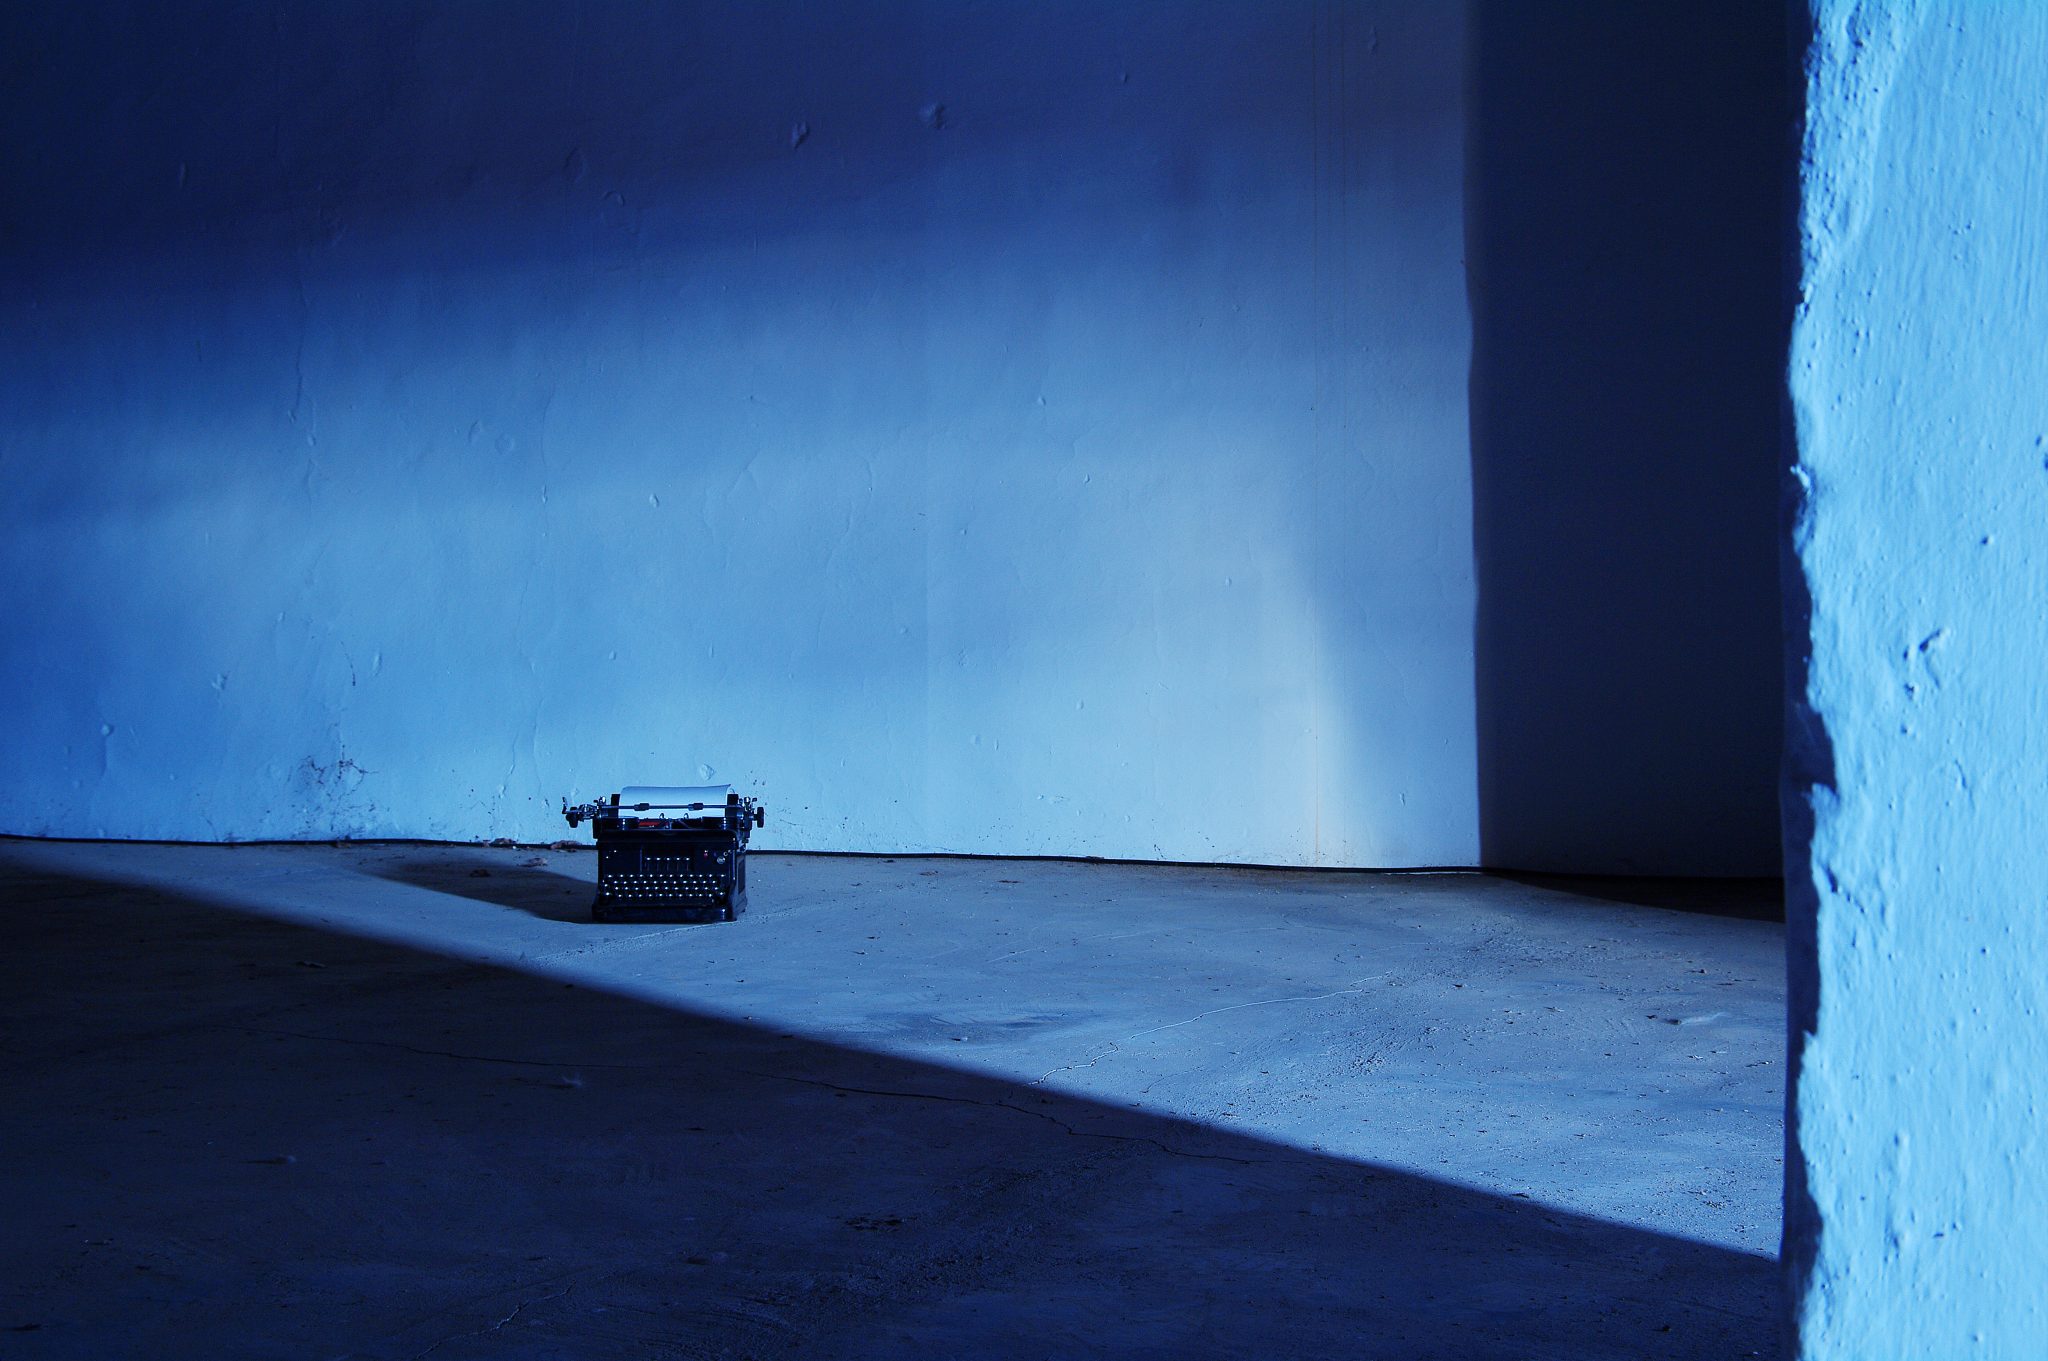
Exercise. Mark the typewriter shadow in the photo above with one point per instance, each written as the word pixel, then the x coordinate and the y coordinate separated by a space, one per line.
pixel 414 1150
pixel 501 878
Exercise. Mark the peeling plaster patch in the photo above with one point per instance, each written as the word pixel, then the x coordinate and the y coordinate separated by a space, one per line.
pixel 329 796
pixel 1852 66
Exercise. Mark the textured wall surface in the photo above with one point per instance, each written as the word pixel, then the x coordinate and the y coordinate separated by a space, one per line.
pixel 1914 1224
pixel 989 428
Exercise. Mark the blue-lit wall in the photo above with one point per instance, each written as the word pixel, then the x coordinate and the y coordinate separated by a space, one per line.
pixel 1918 876
pixel 1044 427
pixel 1034 428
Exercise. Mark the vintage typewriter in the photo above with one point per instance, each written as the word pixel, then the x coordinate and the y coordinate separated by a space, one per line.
pixel 668 851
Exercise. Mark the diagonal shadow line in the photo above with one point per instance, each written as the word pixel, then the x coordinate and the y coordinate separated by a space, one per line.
pixel 397 1153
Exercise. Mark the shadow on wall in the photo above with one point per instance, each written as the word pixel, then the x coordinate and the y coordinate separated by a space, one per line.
pixel 407 1153
pixel 1628 208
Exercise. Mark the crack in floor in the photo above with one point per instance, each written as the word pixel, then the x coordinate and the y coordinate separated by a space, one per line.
pixel 486 1331
pixel 517 1309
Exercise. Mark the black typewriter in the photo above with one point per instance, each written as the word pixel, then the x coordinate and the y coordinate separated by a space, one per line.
pixel 670 851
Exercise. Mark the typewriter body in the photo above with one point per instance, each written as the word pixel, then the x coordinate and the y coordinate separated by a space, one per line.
pixel 666 851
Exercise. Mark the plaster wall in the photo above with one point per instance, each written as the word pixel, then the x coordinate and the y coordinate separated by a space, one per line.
pixel 979 428
pixel 1920 376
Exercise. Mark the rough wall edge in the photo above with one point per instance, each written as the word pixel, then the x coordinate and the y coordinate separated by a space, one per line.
pixel 1850 52
pixel 1807 761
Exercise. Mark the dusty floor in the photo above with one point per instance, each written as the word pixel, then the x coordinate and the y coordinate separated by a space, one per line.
pixel 401 1101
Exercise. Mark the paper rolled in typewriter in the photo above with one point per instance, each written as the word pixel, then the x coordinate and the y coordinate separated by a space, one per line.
pixel 673 803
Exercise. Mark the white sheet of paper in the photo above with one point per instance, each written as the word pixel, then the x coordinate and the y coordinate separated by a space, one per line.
pixel 674 800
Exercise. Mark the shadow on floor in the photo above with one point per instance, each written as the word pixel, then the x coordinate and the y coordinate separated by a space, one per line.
pixel 255 1138
pixel 1758 900
pixel 515 879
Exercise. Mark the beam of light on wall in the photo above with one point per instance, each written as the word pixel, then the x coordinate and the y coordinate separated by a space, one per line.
pixel 1081 472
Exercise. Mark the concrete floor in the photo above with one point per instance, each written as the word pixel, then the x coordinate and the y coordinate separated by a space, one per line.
pixel 400 1101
